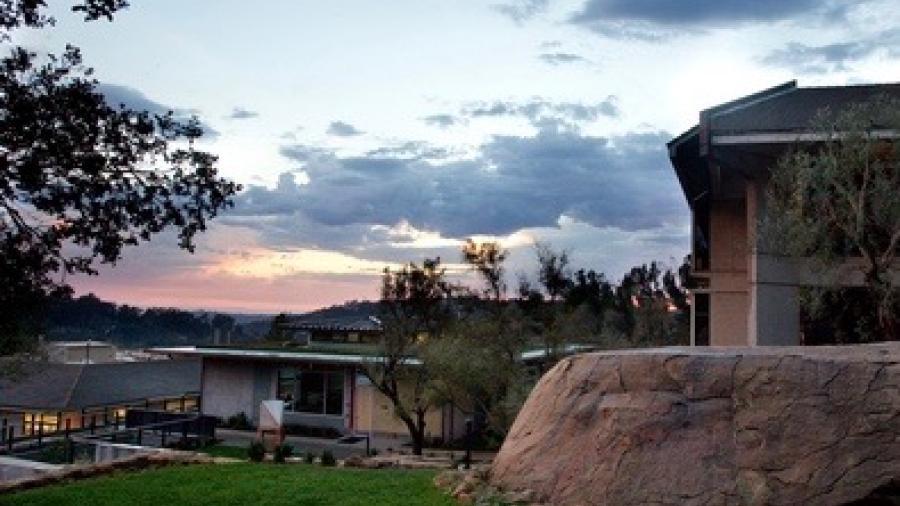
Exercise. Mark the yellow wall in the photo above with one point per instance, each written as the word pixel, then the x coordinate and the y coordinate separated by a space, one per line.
pixel 375 412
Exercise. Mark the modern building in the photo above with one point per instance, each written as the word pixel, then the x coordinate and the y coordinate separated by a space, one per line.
pixel 744 295
pixel 334 330
pixel 322 390
pixel 44 397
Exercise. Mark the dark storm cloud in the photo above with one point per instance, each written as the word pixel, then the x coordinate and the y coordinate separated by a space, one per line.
pixel 537 109
pixel 241 113
pixel 522 10
pixel 835 57
pixel 658 19
pixel 342 129
pixel 515 182
pixel 116 95
pixel 560 58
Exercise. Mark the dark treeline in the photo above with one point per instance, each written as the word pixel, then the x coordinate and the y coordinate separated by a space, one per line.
pixel 88 317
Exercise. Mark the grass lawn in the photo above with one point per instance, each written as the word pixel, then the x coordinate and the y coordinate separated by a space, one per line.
pixel 243 484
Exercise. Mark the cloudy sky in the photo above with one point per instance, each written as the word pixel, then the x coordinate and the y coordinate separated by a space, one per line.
pixel 371 133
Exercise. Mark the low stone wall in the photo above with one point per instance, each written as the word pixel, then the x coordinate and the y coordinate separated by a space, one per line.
pixel 13 469
pixel 692 426
pixel 160 458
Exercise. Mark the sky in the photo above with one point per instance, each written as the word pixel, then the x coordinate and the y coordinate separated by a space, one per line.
pixel 368 134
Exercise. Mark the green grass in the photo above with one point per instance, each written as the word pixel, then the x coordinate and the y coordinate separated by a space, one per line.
pixel 234 452
pixel 243 484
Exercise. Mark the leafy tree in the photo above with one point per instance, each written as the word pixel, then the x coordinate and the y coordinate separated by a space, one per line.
pixel 836 199
pixel 486 259
pixel 477 365
pixel 414 308
pixel 278 330
pixel 79 179
pixel 553 271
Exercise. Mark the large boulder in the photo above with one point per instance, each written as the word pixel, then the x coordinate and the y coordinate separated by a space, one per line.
pixel 710 426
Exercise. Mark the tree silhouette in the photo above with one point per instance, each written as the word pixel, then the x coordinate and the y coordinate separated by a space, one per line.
pixel 79 179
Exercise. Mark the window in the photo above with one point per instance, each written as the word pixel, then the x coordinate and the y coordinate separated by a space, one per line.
pixel 49 423
pixel 701 319
pixel 334 393
pixel 311 398
pixel 311 391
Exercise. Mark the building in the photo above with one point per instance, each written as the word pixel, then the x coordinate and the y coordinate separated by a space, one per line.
pixel 334 330
pixel 745 296
pixel 44 397
pixel 323 390
pixel 80 352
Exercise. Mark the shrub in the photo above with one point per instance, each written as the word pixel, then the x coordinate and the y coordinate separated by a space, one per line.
pixel 310 457
pixel 328 459
pixel 239 421
pixel 282 452
pixel 256 451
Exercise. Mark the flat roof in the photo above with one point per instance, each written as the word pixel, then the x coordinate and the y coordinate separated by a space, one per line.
pixel 79 344
pixel 46 385
pixel 319 357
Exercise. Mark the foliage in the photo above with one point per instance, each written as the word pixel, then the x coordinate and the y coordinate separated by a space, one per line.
pixel 81 180
pixel 282 452
pixel 246 483
pixel 239 421
pixel 328 459
pixel 477 366
pixel 278 330
pixel 832 200
pixel 309 457
pixel 256 451
pixel 414 307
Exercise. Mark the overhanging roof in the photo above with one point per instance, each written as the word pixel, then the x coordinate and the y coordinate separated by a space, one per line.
pixel 52 386
pixel 772 118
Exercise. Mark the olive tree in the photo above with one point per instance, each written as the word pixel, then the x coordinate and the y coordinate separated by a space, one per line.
pixel 837 199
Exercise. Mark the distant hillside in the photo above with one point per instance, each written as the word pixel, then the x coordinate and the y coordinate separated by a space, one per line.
pixel 88 317
pixel 352 310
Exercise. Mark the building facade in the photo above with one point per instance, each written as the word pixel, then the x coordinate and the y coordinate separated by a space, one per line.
pixel 321 391
pixel 744 295
pixel 47 398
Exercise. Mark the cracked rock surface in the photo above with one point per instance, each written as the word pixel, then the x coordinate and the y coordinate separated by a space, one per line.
pixel 710 426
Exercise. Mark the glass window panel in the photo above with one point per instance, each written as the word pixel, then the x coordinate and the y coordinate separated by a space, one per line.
pixel 286 388
pixel 312 393
pixel 334 397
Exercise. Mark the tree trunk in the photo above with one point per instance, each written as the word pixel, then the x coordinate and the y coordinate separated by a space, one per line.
pixel 416 430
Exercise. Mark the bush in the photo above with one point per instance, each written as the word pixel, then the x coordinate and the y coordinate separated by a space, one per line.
pixel 239 421
pixel 282 452
pixel 310 457
pixel 256 451
pixel 328 459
